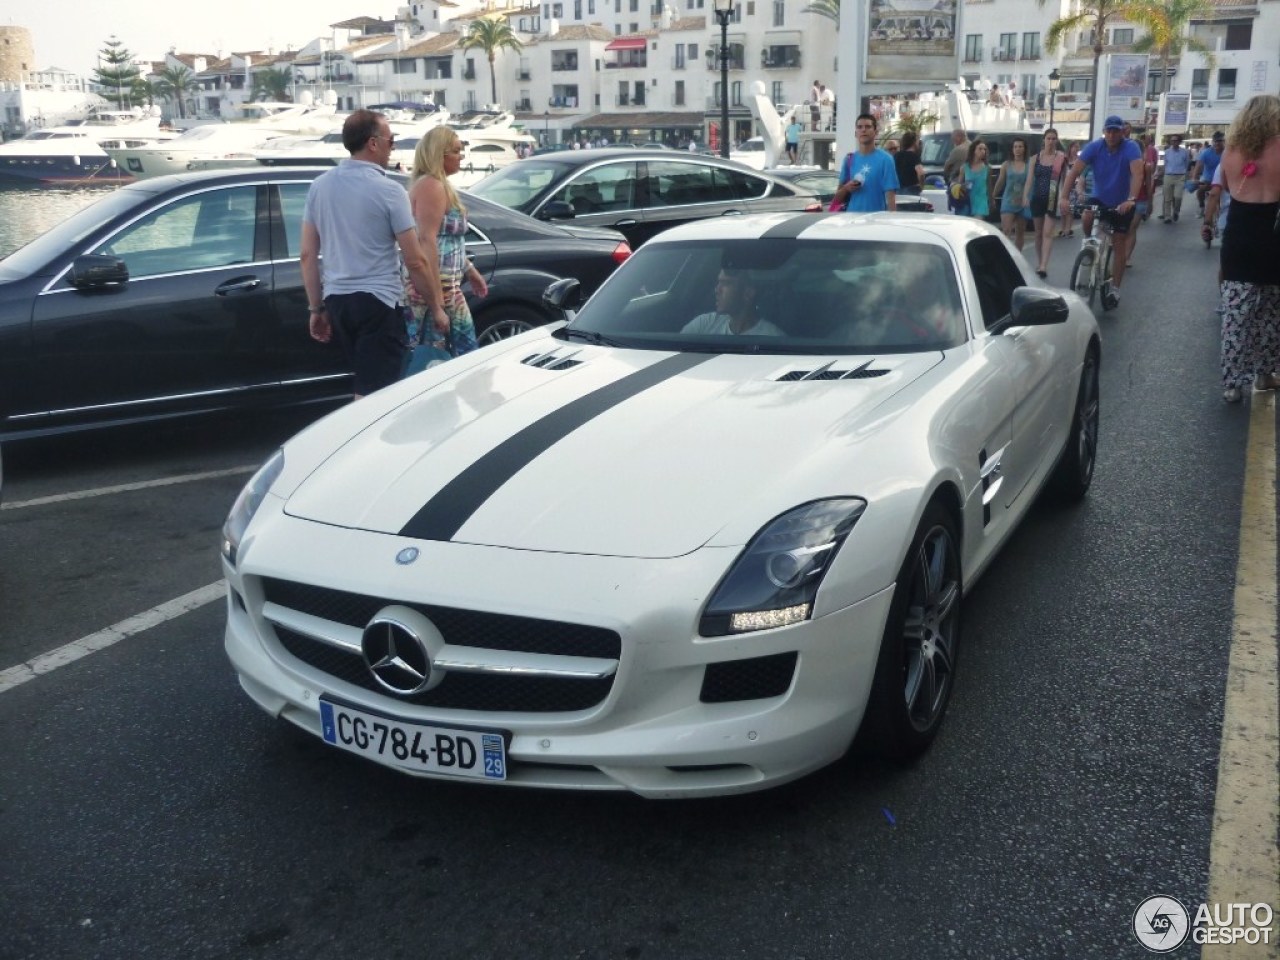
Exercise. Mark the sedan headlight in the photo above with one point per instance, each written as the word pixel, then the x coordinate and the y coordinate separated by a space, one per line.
pixel 774 581
pixel 247 503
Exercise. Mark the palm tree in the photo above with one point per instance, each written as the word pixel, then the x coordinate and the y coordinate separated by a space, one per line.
pixel 1166 23
pixel 491 36
pixel 1093 15
pixel 147 91
pixel 174 82
pixel 273 83
pixel 824 8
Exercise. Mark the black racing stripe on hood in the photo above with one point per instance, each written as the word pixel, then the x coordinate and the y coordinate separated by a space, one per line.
pixel 792 228
pixel 444 514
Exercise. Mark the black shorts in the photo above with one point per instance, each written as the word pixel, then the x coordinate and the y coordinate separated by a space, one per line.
pixel 371 335
pixel 1119 222
pixel 1040 208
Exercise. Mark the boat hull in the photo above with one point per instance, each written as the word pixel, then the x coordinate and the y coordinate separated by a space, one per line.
pixel 37 169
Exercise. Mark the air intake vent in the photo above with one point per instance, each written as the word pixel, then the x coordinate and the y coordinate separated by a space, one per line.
pixel 552 360
pixel 828 372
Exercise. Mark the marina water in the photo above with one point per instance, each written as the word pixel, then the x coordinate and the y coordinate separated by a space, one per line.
pixel 27 212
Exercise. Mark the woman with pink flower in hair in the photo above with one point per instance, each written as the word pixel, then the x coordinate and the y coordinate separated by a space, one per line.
pixel 1251 250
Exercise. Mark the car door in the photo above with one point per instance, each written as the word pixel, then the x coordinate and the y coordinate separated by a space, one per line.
pixel 1029 355
pixel 183 330
pixel 607 194
pixel 683 190
pixel 291 357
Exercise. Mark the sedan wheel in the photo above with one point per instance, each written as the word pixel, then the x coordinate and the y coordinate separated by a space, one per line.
pixel 507 323
pixel 916 669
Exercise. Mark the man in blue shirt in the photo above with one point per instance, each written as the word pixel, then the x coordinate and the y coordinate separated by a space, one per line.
pixel 1177 161
pixel 868 178
pixel 793 141
pixel 1118 172
pixel 1207 163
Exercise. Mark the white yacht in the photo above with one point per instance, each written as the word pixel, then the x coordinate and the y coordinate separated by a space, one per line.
pixel 223 144
pixel 492 140
pixel 77 151
pixel 328 150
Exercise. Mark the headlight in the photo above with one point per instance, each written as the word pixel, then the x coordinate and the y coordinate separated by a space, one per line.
pixel 774 581
pixel 246 505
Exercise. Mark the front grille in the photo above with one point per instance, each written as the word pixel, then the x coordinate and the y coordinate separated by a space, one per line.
pixel 458 691
pixel 461 628
pixel 751 679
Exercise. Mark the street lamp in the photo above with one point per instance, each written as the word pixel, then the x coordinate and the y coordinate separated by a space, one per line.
pixel 724 12
pixel 1055 81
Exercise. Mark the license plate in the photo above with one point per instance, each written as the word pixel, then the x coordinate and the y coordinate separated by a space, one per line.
pixel 418 747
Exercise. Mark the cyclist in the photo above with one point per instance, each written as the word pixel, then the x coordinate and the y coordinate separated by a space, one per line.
pixel 1118 173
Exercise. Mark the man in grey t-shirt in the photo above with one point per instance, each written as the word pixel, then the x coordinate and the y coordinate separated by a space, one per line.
pixel 357 216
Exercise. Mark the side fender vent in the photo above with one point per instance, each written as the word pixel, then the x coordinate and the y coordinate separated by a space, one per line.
pixel 552 360
pixel 829 372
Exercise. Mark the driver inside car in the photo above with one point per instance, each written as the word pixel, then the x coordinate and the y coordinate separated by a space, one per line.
pixel 736 312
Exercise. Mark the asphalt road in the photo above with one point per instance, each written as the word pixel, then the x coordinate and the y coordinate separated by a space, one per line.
pixel 148 809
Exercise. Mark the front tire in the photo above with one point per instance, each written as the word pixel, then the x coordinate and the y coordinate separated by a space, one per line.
pixel 1082 280
pixel 1074 473
pixel 916 667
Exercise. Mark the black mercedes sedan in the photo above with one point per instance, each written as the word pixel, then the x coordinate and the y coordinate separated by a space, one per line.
pixel 639 192
pixel 183 294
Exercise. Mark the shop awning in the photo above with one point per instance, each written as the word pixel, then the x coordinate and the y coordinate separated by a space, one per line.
pixel 627 43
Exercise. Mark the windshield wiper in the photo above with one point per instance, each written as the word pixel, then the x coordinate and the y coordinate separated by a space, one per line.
pixel 590 336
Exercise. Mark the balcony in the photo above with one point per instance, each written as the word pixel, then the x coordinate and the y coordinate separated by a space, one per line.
pixel 678 63
pixel 973 56
pixel 562 102
pixel 468 72
pixel 524 74
pixel 524 106
pixel 560 66
pixel 1030 55
pixel 628 100
pixel 1003 55
pixel 713 62
pixel 627 63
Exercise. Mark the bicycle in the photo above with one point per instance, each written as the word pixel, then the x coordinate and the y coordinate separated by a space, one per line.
pixel 1092 269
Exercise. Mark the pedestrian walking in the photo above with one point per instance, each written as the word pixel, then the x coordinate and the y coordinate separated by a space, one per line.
pixel 441 222
pixel 974 180
pixel 1206 163
pixel 1251 250
pixel 356 217
pixel 1042 197
pixel 1011 188
pixel 906 163
pixel 868 181
pixel 1177 163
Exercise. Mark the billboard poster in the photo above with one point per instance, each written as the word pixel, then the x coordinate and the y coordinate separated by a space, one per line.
pixel 1127 86
pixel 912 41
pixel 1175 112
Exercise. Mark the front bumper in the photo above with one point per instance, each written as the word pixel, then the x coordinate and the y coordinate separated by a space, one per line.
pixel 651 731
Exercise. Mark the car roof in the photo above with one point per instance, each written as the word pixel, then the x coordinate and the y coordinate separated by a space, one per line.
pixel 940 229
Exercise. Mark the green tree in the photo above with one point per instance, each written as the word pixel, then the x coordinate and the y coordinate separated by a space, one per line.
pixel 174 84
pixel 911 123
pixel 273 83
pixel 491 36
pixel 116 73
pixel 1166 23
pixel 146 91
pixel 824 8
pixel 1093 15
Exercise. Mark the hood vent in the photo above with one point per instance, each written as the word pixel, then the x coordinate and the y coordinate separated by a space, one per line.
pixel 825 372
pixel 552 360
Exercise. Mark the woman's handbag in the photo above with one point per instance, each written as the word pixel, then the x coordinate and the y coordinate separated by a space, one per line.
pixel 429 353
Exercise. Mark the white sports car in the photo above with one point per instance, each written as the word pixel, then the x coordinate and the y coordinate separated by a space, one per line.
pixel 690 543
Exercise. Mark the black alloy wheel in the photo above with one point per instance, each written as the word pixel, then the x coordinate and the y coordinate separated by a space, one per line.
pixel 1074 473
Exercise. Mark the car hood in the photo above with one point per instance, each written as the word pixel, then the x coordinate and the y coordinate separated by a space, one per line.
pixel 598 451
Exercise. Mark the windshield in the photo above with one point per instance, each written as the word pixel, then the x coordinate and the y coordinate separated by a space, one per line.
pixel 934 149
pixel 519 185
pixel 779 296
pixel 47 247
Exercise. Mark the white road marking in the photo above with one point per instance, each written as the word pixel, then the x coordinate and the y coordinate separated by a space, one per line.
pixel 73 651
pixel 1244 865
pixel 127 487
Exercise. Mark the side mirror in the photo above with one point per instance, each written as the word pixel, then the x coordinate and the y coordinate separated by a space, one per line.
pixel 563 295
pixel 96 270
pixel 556 210
pixel 1036 307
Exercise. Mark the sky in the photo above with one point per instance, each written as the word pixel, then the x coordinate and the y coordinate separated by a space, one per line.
pixel 69 33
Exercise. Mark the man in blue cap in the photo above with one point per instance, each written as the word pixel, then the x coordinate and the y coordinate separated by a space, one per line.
pixel 1118 172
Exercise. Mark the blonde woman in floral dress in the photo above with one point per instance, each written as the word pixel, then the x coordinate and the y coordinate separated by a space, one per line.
pixel 442 227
